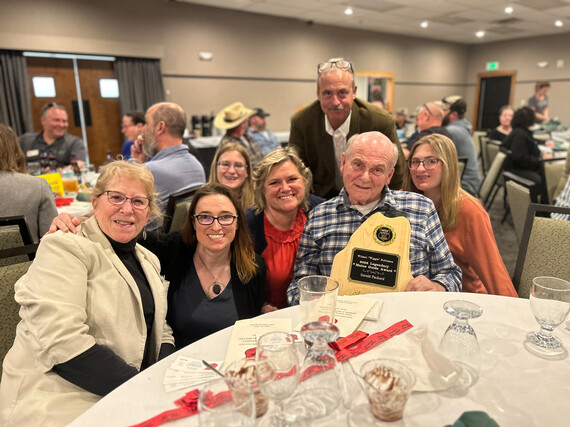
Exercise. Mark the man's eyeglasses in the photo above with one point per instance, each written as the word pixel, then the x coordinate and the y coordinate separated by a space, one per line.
pixel 429 163
pixel 116 198
pixel 238 166
pixel 427 109
pixel 209 219
pixel 341 64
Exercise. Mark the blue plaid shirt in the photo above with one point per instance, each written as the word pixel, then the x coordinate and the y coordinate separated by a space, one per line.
pixel 331 224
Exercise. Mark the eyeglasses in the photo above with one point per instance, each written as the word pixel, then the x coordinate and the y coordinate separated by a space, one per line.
pixel 116 198
pixel 209 219
pixel 238 166
pixel 341 64
pixel 429 163
pixel 360 167
pixel 427 109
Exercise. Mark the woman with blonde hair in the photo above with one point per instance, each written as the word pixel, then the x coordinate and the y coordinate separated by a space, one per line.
pixel 277 220
pixel 434 172
pixel 22 194
pixel 232 167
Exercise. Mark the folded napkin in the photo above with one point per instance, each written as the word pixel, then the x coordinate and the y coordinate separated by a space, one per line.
pixel 474 419
pixel 414 349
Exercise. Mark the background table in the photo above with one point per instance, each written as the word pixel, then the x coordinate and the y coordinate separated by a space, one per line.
pixel 515 387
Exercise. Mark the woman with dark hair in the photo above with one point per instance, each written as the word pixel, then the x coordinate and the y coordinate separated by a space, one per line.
pixel 524 157
pixel 215 276
pixel 22 194
pixel 434 172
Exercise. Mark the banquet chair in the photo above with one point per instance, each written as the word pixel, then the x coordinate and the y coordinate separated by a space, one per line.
pixel 477 135
pixel 176 212
pixel 544 248
pixel 492 181
pixel 16 244
pixel 462 163
pixel 492 147
pixel 552 170
pixel 521 192
pixel 483 140
pixel 9 308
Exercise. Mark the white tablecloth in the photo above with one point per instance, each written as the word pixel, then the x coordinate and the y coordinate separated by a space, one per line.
pixel 515 387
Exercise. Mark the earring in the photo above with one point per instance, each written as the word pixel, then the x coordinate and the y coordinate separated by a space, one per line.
pixel 144 233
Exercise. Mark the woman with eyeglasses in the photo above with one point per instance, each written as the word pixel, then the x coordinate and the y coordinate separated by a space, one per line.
pixel 232 167
pixel 215 276
pixel 434 172
pixel 93 308
pixel 282 201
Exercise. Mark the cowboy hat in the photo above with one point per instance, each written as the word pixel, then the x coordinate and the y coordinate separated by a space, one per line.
pixel 232 115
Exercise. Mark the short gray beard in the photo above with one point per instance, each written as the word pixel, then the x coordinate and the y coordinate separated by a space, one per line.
pixel 150 148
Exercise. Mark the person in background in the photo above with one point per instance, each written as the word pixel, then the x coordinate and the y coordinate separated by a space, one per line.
pixel 257 130
pixel 132 126
pixel 434 172
pixel 172 166
pixel 234 119
pixel 22 194
pixel 367 167
pixel 231 167
pixel 215 276
pixel 539 101
pixel 276 222
pixel 319 132
pixel 524 156
pixel 401 117
pixel 563 201
pixel 53 139
pixel 93 308
pixel 505 118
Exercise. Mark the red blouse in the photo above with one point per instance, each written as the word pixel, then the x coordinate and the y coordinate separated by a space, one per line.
pixel 279 256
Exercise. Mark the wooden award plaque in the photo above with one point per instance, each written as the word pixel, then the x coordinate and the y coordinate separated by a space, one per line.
pixel 376 259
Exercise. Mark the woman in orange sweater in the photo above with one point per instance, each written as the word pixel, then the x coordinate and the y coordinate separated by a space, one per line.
pixel 434 173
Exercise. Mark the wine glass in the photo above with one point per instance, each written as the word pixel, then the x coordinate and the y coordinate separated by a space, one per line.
pixel 459 343
pixel 277 373
pixel 550 303
pixel 227 402
pixel 322 387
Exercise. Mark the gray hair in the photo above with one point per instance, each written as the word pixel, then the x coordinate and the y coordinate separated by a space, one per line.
pixel 395 152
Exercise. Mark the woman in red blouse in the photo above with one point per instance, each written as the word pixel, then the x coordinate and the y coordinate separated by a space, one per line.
pixel 282 199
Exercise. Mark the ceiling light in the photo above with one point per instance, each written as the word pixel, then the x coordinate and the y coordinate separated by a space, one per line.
pixel 480 34
pixel 424 24
pixel 559 23
pixel 348 11
pixel 509 10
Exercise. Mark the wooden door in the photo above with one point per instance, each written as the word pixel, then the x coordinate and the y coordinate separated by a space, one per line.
pixel 102 115
pixel 494 89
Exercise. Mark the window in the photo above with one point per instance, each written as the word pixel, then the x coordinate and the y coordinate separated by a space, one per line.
pixel 44 87
pixel 109 88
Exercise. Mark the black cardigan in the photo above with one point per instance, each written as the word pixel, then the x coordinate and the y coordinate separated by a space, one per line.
pixel 257 229
pixel 525 154
pixel 175 258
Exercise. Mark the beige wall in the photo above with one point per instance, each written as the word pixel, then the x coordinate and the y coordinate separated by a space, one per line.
pixel 260 52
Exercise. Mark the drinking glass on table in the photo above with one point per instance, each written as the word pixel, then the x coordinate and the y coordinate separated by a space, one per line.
pixel 226 402
pixel 317 299
pixel 277 372
pixel 550 304
pixel 245 369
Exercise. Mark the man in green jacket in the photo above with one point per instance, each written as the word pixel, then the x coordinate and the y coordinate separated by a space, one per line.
pixel 319 131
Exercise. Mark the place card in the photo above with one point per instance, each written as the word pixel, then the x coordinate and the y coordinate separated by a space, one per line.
pixel 245 333
pixel 186 372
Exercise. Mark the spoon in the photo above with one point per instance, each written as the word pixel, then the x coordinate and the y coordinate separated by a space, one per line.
pixel 213 369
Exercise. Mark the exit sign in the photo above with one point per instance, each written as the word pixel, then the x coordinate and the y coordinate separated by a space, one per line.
pixel 493 65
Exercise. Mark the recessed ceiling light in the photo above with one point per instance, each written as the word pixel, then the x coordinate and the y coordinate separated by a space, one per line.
pixel 480 34
pixel 348 11
pixel 509 9
pixel 559 23
pixel 424 24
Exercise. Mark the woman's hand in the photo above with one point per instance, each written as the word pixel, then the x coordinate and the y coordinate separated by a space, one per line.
pixel 65 222
pixel 267 308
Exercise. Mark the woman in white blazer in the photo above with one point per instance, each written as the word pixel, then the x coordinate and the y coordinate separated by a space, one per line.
pixel 93 308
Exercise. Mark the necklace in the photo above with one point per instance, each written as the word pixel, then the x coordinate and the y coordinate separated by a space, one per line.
pixel 215 287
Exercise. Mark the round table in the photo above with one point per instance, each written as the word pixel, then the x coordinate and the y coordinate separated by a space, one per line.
pixel 515 387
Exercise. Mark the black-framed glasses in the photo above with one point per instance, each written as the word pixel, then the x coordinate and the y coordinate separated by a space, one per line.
pixel 429 163
pixel 239 166
pixel 223 220
pixel 116 198
pixel 341 64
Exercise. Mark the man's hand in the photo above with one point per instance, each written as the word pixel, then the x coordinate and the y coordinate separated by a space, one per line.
pixel 64 222
pixel 422 283
pixel 137 150
pixel 267 308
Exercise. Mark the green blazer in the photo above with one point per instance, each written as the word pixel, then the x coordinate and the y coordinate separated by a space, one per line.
pixel 316 148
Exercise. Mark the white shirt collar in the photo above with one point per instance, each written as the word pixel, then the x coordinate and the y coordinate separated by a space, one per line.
pixel 343 129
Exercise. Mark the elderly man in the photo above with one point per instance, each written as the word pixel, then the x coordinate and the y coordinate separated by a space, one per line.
pixel 53 139
pixel 460 130
pixel 319 131
pixel 172 166
pixel 367 168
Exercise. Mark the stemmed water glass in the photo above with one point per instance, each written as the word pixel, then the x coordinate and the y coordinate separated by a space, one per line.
pixel 550 304
pixel 277 372
pixel 459 343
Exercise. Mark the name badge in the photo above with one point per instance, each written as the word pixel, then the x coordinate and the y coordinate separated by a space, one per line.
pixel 33 153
